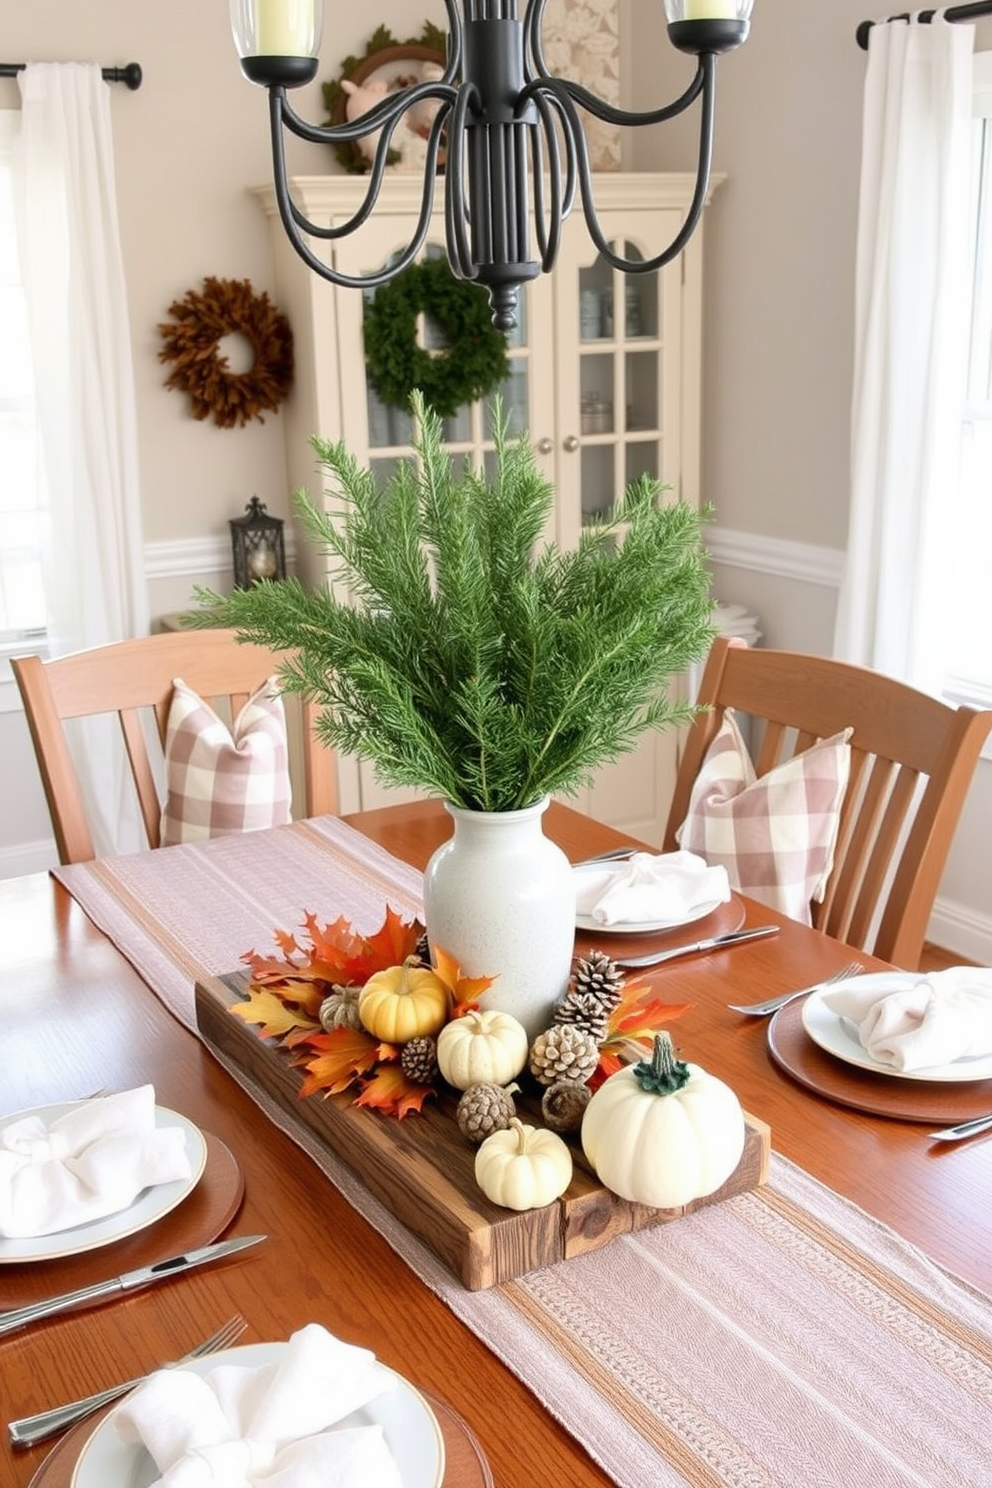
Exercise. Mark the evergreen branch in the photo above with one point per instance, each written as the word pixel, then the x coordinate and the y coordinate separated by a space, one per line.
pixel 457 654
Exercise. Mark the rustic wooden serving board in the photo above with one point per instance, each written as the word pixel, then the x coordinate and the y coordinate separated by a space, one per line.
pixel 422 1168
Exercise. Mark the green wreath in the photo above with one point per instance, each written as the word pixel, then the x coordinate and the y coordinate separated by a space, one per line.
pixel 475 362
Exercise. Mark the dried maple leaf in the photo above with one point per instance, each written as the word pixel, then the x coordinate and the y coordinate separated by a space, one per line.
pixel 275 1017
pixel 335 946
pixel 389 1091
pixel 342 1056
pixel 393 942
pixel 465 991
pixel 632 1027
pixel 639 1017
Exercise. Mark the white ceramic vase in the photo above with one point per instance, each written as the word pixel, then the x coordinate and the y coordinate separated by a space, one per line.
pixel 499 898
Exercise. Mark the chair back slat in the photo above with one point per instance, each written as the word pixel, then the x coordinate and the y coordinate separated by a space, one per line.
pixel 912 760
pixel 130 679
pixel 141 773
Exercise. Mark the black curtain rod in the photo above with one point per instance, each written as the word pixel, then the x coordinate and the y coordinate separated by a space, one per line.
pixel 131 74
pixel 953 13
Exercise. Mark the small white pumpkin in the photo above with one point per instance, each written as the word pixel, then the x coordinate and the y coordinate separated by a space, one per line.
pixel 663 1132
pixel 523 1167
pixel 483 1047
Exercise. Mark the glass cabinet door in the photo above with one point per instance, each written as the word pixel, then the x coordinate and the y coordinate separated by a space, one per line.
pixel 618 402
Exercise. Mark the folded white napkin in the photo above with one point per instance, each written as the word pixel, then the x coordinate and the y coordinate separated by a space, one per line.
pixel 238 1427
pixel 89 1163
pixel 649 887
pixel 915 1023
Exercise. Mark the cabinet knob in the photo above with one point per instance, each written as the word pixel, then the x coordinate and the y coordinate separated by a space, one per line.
pixel 572 443
pixel 545 446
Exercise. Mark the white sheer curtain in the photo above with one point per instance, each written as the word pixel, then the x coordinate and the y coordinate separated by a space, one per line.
pixel 911 315
pixel 80 339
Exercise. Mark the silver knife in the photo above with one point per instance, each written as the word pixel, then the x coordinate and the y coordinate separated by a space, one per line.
pixel 963 1129
pixel 19 1317
pixel 715 942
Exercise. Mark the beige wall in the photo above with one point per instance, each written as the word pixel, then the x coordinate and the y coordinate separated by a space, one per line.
pixel 188 145
pixel 778 302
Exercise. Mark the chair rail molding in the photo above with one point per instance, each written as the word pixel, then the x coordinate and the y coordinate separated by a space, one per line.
pixel 186 556
pixel 808 563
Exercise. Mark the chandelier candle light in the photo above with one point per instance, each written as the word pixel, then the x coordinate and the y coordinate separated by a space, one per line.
pixel 509 129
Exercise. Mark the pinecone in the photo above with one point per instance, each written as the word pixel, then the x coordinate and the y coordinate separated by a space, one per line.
pixel 484 1109
pixel 339 1009
pixel 594 991
pixel 419 1060
pixel 563 1105
pixel 563 1053
pixel 422 950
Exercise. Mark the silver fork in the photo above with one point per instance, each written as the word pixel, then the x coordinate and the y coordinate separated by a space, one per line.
pixel 31 1429
pixel 772 1004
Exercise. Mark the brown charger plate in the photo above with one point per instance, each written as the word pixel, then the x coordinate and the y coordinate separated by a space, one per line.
pixel 465 1465
pixel 721 921
pixel 199 1219
pixel 883 1095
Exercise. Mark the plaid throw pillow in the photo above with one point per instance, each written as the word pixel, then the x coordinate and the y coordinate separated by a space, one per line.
pixel 775 835
pixel 221 780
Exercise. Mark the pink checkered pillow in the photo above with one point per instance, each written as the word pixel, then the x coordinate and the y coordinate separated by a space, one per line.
pixel 775 835
pixel 221 780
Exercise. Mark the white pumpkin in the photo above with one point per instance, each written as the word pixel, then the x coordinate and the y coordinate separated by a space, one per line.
pixel 523 1167
pixel 482 1047
pixel 663 1132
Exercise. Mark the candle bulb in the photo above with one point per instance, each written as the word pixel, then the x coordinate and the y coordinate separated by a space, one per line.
pixel 711 10
pixel 284 28
pixel 262 562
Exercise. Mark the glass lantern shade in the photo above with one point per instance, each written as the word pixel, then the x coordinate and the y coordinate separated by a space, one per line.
pixel 707 10
pixel 257 544
pixel 277 28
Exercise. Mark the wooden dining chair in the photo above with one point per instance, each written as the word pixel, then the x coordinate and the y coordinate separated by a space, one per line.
pixel 130 678
pixel 912 761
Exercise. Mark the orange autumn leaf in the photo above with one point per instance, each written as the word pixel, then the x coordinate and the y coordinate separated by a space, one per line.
pixel 286 941
pixel 342 1056
pixel 390 1092
pixel 270 971
pixel 465 991
pixel 275 1017
pixel 335 945
pixel 634 1022
pixel 641 1016
pixel 609 1063
pixel 394 941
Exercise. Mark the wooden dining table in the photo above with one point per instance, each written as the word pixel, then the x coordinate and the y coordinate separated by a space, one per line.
pixel 75 1018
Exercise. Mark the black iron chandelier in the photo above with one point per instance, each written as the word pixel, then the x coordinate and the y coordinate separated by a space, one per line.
pixel 509 130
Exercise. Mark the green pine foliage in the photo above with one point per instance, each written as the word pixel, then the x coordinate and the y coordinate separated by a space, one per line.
pixel 471 660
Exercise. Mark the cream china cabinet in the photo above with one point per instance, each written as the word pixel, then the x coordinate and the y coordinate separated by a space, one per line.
pixel 604 374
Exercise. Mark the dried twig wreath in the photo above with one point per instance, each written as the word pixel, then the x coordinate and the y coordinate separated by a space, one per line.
pixel 475 362
pixel 228 306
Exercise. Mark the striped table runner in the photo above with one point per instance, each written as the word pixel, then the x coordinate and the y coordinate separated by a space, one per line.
pixel 783 1339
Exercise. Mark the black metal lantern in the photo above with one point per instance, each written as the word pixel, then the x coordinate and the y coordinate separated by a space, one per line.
pixel 259 552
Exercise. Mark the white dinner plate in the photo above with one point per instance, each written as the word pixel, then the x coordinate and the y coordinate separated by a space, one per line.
pixel 639 927
pixel 839 1036
pixel 409 1426
pixel 150 1205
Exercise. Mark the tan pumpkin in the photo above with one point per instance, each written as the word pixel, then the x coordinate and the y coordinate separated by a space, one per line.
pixel 663 1132
pixel 482 1047
pixel 404 1002
pixel 523 1167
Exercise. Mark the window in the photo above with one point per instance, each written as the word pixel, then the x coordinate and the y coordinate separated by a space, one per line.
pixel 23 494
pixel 969 677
